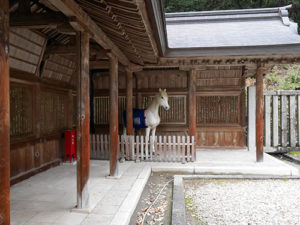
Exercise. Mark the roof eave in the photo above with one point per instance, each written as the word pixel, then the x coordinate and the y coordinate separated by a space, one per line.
pixel 291 49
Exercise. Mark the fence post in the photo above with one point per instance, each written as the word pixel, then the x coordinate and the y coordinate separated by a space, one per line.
pixel 137 157
pixel 268 121
pixel 131 139
pixel 284 121
pixel 251 136
pixel 193 149
pixel 293 121
pixel 146 147
pixel 183 150
pixel 275 120
pixel 122 143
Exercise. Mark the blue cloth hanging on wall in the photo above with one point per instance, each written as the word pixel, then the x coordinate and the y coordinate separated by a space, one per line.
pixel 139 119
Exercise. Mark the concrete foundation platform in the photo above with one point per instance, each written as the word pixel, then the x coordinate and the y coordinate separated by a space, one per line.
pixel 49 197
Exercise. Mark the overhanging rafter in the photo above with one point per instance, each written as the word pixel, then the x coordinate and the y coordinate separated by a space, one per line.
pixel 73 10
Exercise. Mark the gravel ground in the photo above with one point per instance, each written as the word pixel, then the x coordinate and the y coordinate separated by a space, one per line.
pixel 160 212
pixel 243 202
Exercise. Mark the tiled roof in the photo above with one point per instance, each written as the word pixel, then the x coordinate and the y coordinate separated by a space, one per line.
pixel 231 28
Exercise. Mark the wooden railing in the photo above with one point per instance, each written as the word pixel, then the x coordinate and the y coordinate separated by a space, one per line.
pixel 282 117
pixel 140 148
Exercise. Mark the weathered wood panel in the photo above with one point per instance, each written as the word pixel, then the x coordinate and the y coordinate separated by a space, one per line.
pixel 53 111
pixel 216 137
pixel 208 79
pixel 101 109
pixel 218 109
pixel 155 79
pixel 101 81
pixel 21 110
pixel 59 68
pixel 26 50
pixel 34 155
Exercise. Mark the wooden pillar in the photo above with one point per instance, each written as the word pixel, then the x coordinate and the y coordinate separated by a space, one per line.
pixel 113 120
pixel 37 119
pixel 129 107
pixel 192 106
pixel 259 114
pixel 70 110
pixel 4 115
pixel 83 122
pixel 243 100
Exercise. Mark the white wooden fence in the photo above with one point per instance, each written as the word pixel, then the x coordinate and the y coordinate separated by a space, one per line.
pixel 139 148
pixel 282 116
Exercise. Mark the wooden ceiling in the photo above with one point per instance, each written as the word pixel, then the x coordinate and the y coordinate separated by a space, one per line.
pixel 126 23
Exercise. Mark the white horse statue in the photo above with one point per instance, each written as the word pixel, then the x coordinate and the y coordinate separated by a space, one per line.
pixel 149 118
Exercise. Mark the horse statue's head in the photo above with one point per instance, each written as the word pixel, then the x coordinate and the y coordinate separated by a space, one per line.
pixel 163 99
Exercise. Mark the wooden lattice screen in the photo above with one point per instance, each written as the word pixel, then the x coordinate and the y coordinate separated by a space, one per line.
pixel 26 50
pixel 58 68
pixel 177 112
pixel 217 109
pixel 53 110
pixel 21 110
pixel 101 109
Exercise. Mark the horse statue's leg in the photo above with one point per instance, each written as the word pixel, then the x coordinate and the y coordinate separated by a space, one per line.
pixel 153 138
pixel 147 138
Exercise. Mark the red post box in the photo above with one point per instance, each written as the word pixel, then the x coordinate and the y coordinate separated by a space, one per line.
pixel 70 144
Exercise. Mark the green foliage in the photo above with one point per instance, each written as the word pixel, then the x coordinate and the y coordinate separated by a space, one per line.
pixel 295 153
pixel 207 5
pixel 286 77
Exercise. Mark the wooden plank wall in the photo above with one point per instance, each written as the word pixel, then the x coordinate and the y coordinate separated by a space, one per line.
pixel 26 50
pixel 219 101
pixel 41 104
pixel 39 115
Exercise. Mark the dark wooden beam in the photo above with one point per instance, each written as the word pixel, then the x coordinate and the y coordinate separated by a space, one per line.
pixel 60 50
pixel 113 120
pixel 129 105
pixel 83 125
pixel 4 115
pixel 83 21
pixel 35 21
pixel 24 6
pixel 99 65
pixel 65 28
pixel 259 114
pixel 192 106
pixel 71 50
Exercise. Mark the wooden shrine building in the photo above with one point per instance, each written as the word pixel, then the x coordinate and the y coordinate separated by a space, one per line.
pixel 58 56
